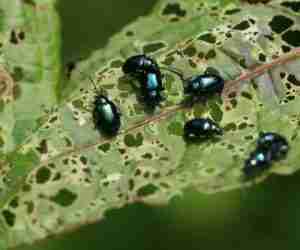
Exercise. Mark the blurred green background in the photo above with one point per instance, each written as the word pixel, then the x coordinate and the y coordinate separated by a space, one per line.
pixel 265 216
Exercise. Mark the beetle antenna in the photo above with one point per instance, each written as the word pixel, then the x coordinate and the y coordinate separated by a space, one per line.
pixel 91 80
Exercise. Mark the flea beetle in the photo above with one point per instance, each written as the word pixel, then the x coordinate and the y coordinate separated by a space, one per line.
pixel 201 128
pixel 140 64
pixel 106 115
pixel 259 160
pixel 270 147
pixel 146 71
pixel 274 142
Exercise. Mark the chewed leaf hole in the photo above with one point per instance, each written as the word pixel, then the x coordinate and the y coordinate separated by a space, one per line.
pixel 43 175
pixel 293 5
pixel 64 197
pixel 280 23
pixel 152 47
pixel 146 190
pixel 9 217
pixel 134 141
pixel 292 37
pixel 208 37
pixel 242 25
pixel 174 9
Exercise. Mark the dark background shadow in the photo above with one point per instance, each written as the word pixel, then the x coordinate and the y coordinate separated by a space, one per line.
pixel 87 25
pixel 267 218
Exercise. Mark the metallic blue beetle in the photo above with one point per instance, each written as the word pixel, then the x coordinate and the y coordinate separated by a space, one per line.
pixel 140 64
pixel 201 128
pixel 270 147
pixel 259 160
pixel 148 74
pixel 204 85
pixel 276 143
pixel 106 116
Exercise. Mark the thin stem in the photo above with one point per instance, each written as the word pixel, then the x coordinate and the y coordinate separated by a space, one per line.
pixel 137 125
pixel 262 69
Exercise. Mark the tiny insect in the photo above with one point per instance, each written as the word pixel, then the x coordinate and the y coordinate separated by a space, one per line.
pixel 204 85
pixel 259 160
pixel 106 115
pixel 201 128
pixel 140 64
pixel 270 147
pixel 200 86
pixel 151 88
pixel 148 74
pixel 275 142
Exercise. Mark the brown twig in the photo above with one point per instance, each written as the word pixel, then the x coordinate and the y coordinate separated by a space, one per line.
pixel 230 85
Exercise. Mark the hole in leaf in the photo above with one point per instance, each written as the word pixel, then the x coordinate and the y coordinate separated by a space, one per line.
pixel 292 37
pixel 14 203
pixel 26 188
pixel 9 217
pixel 131 184
pixel 230 126
pixel 168 60
pixel 210 38
pixel 292 79
pixel 129 33
pixel 242 26
pixel 210 54
pixel 147 190
pixel 190 51
pixel 64 197
pixel 232 11
pixel 43 148
pixel 152 47
pixel 18 74
pixel 147 156
pixel 13 37
pixel 293 5
pixel 30 207
pixel 280 23
pixel 285 48
pixel 174 9
pixel 43 175
pixel 246 95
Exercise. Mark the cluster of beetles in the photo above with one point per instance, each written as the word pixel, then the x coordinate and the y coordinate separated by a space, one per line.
pixel 107 117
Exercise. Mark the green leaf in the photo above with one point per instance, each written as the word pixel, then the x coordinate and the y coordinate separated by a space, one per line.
pixel 30 66
pixel 73 175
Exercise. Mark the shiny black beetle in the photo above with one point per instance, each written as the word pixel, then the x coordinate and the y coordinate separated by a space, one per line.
pixel 201 128
pixel 276 143
pixel 270 147
pixel 107 118
pixel 259 160
pixel 106 115
pixel 204 85
pixel 140 64
pixel 148 74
